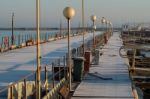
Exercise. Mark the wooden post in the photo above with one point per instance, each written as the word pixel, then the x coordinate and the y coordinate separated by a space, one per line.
pixel 133 61
pixel 25 89
pixel 11 93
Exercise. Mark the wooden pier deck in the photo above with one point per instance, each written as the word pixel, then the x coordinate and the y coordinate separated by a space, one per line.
pixel 108 80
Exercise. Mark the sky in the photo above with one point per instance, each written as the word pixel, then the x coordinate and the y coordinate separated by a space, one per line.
pixel 117 11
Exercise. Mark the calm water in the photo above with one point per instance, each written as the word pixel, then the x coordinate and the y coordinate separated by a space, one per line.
pixel 23 33
pixel 17 32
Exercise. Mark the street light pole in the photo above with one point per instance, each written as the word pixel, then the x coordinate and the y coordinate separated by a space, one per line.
pixel 111 28
pixel 12 36
pixel 93 35
pixel 38 91
pixel 83 25
pixel 107 26
pixel 69 54
pixel 69 13
pixel 93 18
pixel 60 29
pixel 103 20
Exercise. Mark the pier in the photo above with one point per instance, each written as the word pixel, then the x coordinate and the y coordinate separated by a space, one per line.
pixel 107 78
pixel 110 78
pixel 75 49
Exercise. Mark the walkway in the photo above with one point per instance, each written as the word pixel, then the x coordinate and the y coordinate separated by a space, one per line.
pixel 17 63
pixel 108 80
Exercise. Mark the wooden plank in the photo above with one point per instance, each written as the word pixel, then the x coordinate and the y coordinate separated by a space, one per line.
pixel 64 91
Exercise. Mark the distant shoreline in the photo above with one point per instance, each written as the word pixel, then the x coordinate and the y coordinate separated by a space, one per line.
pixel 24 29
pixel 33 29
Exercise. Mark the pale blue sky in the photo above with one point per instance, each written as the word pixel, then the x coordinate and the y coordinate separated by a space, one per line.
pixel 118 11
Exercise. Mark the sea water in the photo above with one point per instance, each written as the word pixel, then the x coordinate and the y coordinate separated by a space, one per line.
pixel 20 36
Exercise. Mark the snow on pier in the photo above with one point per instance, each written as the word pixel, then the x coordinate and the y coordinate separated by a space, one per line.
pixel 108 80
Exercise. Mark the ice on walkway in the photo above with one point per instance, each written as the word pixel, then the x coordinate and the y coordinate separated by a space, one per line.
pixel 108 80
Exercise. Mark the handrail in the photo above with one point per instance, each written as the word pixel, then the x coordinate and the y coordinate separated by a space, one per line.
pixel 3 89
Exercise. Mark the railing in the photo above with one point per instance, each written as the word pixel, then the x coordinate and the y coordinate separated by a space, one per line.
pixel 9 90
pixel 25 87
pixel 22 40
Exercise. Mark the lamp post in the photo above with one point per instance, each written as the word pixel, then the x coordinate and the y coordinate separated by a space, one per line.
pixel 60 34
pixel 103 20
pixel 38 89
pixel 111 27
pixel 69 12
pixel 12 36
pixel 83 25
pixel 107 25
pixel 93 18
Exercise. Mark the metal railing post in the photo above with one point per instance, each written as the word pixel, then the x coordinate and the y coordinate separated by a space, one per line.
pixel 46 79
pixel 53 75
pixel 59 69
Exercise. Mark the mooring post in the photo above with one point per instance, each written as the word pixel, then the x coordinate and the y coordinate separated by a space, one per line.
pixel 133 61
